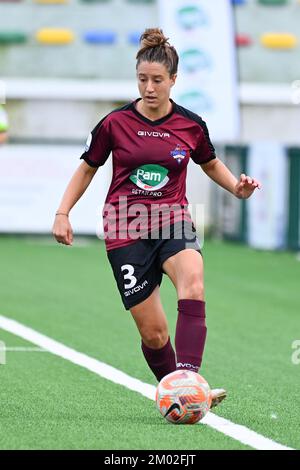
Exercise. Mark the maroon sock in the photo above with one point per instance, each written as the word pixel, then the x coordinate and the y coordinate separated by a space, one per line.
pixel 161 361
pixel 190 334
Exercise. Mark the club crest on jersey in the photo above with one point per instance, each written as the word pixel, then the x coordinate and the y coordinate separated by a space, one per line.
pixel 178 153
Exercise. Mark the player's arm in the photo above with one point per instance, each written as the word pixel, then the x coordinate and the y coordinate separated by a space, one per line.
pixel 79 182
pixel 220 174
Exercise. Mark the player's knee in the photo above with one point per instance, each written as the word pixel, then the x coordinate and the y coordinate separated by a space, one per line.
pixel 155 338
pixel 192 288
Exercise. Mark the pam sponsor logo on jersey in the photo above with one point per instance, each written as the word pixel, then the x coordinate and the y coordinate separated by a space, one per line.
pixel 178 153
pixel 135 289
pixel 150 177
pixel 161 135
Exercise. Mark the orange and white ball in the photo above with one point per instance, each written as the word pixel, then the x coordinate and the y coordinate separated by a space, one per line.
pixel 183 397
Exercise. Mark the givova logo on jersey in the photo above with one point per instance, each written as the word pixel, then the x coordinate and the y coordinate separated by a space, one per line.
pixel 150 177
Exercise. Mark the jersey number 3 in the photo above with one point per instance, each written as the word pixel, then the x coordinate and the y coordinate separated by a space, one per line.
pixel 132 280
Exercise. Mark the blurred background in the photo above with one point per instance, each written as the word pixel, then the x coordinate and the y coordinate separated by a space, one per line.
pixel 65 64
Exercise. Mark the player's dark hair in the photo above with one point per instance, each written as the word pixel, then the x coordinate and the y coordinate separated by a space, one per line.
pixel 155 47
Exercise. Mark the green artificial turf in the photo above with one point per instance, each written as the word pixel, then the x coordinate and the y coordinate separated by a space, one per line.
pixel 69 294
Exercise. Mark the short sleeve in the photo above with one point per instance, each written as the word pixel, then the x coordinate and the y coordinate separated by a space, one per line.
pixel 205 151
pixel 98 145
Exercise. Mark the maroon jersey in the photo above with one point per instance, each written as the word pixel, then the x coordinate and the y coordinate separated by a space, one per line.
pixel 150 161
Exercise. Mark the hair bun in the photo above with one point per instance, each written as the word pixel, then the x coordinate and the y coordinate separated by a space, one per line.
pixel 153 37
pixel 155 47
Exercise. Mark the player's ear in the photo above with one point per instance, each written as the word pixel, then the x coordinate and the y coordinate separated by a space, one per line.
pixel 173 79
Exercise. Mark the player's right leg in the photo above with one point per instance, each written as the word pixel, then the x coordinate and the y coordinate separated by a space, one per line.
pixel 151 322
pixel 138 277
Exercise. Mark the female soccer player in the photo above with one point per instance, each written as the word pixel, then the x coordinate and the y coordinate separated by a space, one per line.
pixel 148 229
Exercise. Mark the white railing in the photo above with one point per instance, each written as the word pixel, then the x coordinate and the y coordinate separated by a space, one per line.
pixel 123 90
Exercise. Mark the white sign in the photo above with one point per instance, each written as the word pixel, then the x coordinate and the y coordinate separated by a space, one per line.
pixel 202 31
pixel 267 213
pixel 33 179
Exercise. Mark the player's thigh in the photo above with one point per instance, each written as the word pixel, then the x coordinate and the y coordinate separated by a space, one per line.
pixel 150 317
pixel 136 272
pixel 185 269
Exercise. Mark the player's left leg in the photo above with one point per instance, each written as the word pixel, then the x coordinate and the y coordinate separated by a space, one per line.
pixel 185 269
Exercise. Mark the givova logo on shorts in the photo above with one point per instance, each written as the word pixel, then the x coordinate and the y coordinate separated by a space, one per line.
pixel 150 177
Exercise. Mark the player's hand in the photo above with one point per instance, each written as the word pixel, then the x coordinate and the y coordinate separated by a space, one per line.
pixel 246 186
pixel 62 230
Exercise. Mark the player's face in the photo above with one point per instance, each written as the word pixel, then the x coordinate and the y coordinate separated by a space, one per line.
pixel 155 83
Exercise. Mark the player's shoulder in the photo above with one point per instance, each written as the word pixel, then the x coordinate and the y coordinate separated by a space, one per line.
pixel 188 114
pixel 116 113
pixel 111 117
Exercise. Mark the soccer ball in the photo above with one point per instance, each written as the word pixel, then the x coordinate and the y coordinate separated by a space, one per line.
pixel 183 397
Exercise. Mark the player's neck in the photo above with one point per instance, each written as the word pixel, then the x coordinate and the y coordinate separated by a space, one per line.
pixel 154 114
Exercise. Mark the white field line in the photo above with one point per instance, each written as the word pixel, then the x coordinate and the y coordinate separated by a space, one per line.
pixel 236 431
pixel 21 349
